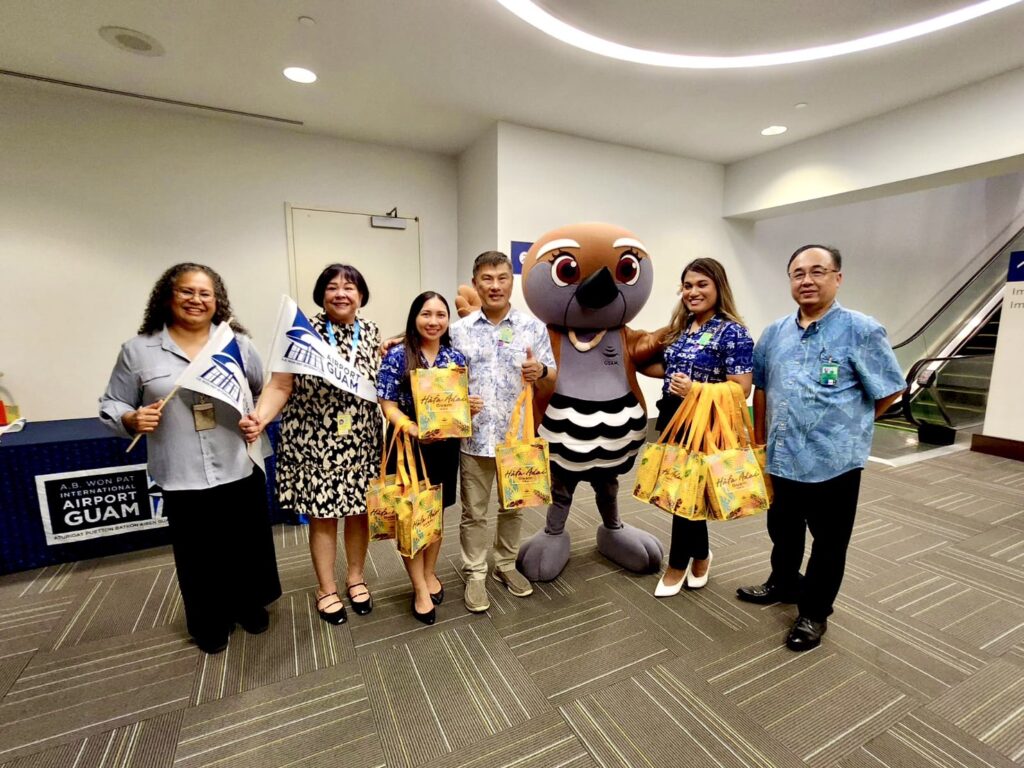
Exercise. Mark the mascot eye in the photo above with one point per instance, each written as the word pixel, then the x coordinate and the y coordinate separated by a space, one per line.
pixel 565 270
pixel 628 269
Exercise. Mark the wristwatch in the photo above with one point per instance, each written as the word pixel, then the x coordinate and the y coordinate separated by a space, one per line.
pixel 544 372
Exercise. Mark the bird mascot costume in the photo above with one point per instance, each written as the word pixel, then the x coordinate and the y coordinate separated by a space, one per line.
pixel 586 281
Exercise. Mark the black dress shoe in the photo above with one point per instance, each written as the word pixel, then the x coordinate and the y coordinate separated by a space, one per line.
pixel 805 634
pixel 334 617
pixel 212 645
pixel 255 621
pixel 765 594
pixel 362 607
pixel 427 618
pixel 437 597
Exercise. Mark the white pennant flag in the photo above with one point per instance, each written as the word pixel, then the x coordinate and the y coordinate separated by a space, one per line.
pixel 298 348
pixel 218 371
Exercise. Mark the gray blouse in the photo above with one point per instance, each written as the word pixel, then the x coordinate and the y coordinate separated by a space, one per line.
pixel 180 458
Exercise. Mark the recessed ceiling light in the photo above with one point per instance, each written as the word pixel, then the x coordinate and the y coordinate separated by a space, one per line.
pixel 307 21
pixel 300 75
pixel 800 105
pixel 132 41
pixel 774 130
pixel 530 12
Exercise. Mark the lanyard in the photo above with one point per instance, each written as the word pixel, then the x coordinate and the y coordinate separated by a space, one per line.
pixel 334 341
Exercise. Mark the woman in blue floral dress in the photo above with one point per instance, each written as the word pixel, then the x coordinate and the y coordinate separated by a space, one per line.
pixel 707 342
pixel 425 344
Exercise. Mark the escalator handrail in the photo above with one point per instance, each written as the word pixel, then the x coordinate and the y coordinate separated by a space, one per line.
pixel 910 392
pixel 959 292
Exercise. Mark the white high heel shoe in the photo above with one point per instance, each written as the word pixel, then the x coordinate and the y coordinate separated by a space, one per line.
pixel 697 582
pixel 666 590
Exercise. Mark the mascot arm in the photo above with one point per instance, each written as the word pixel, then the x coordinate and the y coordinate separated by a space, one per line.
pixel 468 301
pixel 645 347
pixel 545 388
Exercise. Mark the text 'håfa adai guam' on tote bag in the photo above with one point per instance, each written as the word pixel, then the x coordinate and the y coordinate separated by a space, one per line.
pixel 441 399
pixel 652 454
pixel 523 466
pixel 419 507
pixel 735 483
pixel 380 498
pixel 679 488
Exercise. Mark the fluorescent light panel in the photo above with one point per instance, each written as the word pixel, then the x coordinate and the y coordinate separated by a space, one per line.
pixel 532 14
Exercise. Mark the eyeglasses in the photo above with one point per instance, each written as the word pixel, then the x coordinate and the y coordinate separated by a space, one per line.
pixel 187 294
pixel 816 274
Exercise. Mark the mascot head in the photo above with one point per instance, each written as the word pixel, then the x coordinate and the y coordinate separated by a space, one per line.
pixel 587 276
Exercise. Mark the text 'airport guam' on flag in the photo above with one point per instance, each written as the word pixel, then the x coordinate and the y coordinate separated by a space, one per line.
pixel 298 348
pixel 218 371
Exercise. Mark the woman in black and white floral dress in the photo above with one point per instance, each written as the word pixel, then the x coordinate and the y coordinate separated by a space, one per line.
pixel 330 442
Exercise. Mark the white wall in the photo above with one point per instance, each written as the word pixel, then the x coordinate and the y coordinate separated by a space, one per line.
pixel 478 201
pixel 903 256
pixel 971 133
pixel 98 196
pixel 547 180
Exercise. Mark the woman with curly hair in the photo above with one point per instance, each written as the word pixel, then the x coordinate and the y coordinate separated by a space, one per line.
pixel 214 497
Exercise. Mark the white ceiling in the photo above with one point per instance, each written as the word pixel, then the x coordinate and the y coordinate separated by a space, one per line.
pixel 433 74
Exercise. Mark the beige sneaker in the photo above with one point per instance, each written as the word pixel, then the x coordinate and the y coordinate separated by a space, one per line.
pixel 476 596
pixel 516 583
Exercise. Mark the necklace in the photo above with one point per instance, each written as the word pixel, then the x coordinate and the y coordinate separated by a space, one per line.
pixel 586 346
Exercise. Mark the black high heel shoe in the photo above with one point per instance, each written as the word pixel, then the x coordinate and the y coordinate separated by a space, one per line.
pixel 437 597
pixel 362 607
pixel 427 618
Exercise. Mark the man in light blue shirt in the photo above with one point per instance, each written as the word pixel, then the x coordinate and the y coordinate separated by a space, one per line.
pixel 503 347
pixel 822 376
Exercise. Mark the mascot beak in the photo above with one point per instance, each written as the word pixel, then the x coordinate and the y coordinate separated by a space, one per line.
pixel 598 290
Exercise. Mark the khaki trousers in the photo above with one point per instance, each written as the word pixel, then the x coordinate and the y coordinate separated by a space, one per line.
pixel 477 475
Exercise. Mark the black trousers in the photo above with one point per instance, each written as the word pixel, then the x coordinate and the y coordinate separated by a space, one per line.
pixel 689 537
pixel 224 553
pixel 827 510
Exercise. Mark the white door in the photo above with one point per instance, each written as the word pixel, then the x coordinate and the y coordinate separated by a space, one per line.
pixel 389 259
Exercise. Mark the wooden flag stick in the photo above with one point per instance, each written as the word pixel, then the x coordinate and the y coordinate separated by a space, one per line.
pixel 159 408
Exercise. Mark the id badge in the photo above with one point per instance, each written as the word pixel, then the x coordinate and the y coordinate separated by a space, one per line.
pixel 829 374
pixel 203 416
pixel 344 424
pixel 705 339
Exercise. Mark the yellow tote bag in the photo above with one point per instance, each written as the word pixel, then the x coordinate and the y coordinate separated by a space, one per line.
pixel 380 499
pixel 652 454
pixel 760 451
pixel 735 485
pixel 679 488
pixel 441 398
pixel 419 507
pixel 523 464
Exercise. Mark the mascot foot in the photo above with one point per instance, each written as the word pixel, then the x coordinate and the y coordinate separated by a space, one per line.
pixel 543 556
pixel 629 547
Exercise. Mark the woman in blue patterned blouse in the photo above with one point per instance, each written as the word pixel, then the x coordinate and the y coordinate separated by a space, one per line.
pixel 707 342
pixel 425 344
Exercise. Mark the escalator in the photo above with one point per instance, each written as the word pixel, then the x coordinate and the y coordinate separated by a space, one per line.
pixel 949 360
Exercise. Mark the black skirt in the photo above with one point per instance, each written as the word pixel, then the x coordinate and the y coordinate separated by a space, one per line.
pixel 224 553
pixel 442 460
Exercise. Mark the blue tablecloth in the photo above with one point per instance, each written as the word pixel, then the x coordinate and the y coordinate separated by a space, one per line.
pixel 48 447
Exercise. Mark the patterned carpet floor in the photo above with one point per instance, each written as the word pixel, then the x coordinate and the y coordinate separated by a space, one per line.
pixel 923 663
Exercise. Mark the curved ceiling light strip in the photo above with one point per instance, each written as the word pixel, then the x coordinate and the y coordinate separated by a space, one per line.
pixel 532 14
